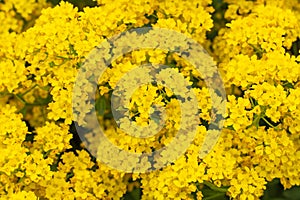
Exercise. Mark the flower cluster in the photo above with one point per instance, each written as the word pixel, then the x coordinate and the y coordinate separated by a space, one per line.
pixel 42 48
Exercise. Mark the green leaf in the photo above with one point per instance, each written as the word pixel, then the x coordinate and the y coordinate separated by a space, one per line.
pixel 208 192
pixel 216 196
pixel 133 195
pixel 274 190
pixel 136 193
pixel 100 105
pixel 215 188
pixel 280 198
pixel 212 192
pixel 292 194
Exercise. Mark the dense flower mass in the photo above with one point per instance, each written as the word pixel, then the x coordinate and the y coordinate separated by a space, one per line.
pixel 42 47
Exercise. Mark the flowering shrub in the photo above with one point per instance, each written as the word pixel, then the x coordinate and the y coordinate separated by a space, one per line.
pixel 42 48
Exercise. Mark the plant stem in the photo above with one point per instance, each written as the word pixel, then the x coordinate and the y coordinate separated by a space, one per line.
pixel 19 97
pixel 267 122
pixel 29 90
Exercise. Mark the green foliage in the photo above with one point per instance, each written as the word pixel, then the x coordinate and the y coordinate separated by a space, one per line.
pixel 275 191
pixel 78 3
